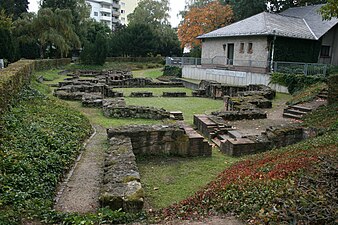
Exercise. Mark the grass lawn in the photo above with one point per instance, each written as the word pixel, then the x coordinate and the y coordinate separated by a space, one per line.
pixel 170 180
pixel 188 105
pixel 149 73
pixel 95 116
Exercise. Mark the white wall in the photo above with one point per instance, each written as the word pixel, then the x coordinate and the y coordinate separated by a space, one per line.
pixel 331 39
pixel 230 77
pixel 212 47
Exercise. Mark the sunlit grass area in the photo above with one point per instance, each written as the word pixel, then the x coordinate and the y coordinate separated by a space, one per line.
pixel 188 105
pixel 170 180
pixel 149 73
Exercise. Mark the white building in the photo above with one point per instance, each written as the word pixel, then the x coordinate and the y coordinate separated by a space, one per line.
pixel 112 12
pixel 105 11
pixel 127 7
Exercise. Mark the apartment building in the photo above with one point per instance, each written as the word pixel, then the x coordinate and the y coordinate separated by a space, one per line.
pixel 112 12
pixel 105 11
pixel 127 7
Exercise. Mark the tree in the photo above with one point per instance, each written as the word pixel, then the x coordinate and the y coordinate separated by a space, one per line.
pixel 96 43
pixel 80 11
pixel 330 10
pixel 52 32
pixel 200 20
pixel 7 43
pixel 152 12
pixel 135 40
pixel 281 5
pixel 245 8
pixel 169 44
pixel 95 53
pixel 14 8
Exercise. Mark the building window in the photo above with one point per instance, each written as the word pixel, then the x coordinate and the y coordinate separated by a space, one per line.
pixel 241 48
pixel 96 13
pixel 325 51
pixel 123 4
pixel 123 11
pixel 250 50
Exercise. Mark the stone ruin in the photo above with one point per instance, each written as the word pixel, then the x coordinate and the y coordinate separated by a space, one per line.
pixel 121 188
pixel 233 143
pixel 97 92
pixel 240 102
pixel 216 90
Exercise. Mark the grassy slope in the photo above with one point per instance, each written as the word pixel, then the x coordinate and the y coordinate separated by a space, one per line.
pixel 169 180
pixel 295 184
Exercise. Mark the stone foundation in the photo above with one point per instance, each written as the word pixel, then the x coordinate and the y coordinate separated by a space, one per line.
pixel 143 94
pixel 121 187
pixel 163 140
pixel 142 82
pixel 174 94
pixel 274 137
pixel 111 110
pixel 241 115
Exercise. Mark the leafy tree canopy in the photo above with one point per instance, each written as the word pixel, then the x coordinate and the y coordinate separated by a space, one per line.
pixel 330 10
pixel 152 12
pixel 203 19
pixel 14 8
pixel 80 11
pixel 51 31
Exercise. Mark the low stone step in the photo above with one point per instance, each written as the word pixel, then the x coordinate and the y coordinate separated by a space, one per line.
pixel 325 96
pixel 301 108
pixel 293 116
pixel 235 134
pixel 295 112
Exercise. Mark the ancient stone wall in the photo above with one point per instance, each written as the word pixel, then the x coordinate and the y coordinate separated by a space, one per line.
pixel 142 82
pixel 130 111
pixel 174 94
pixel 274 137
pixel 164 140
pixel 241 115
pixel 121 187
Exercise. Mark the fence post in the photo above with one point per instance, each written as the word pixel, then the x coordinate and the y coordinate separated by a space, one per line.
pixel 305 69
pixel 275 67
pixel 182 61
pixel 325 68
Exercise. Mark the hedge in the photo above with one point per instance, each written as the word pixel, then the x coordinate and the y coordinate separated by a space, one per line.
pixel 159 60
pixel 17 74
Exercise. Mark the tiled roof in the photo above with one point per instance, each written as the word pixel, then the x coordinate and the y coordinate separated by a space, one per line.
pixel 300 22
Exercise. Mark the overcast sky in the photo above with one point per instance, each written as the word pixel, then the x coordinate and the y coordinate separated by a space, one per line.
pixel 175 5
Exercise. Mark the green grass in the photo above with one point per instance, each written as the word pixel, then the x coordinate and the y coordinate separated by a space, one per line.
pixel 170 180
pixel 149 73
pixel 188 105
pixel 307 94
pixel 155 91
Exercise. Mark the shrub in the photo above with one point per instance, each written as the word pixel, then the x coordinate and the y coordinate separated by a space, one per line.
pixel 296 82
pixel 172 71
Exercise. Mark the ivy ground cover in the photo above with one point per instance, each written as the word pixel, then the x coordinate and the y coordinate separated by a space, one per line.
pixel 39 140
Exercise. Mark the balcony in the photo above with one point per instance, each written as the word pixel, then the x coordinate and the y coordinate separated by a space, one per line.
pixel 114 20
pixel 106 1
pixel 116 5
pixel 105 10
pixel 116 13
pixel 106 18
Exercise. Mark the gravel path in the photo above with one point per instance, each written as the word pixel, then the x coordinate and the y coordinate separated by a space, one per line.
pixel 81 192
pixel 274 118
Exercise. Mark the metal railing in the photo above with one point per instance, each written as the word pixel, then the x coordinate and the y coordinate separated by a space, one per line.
pixel 300 68
pixel 250 65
